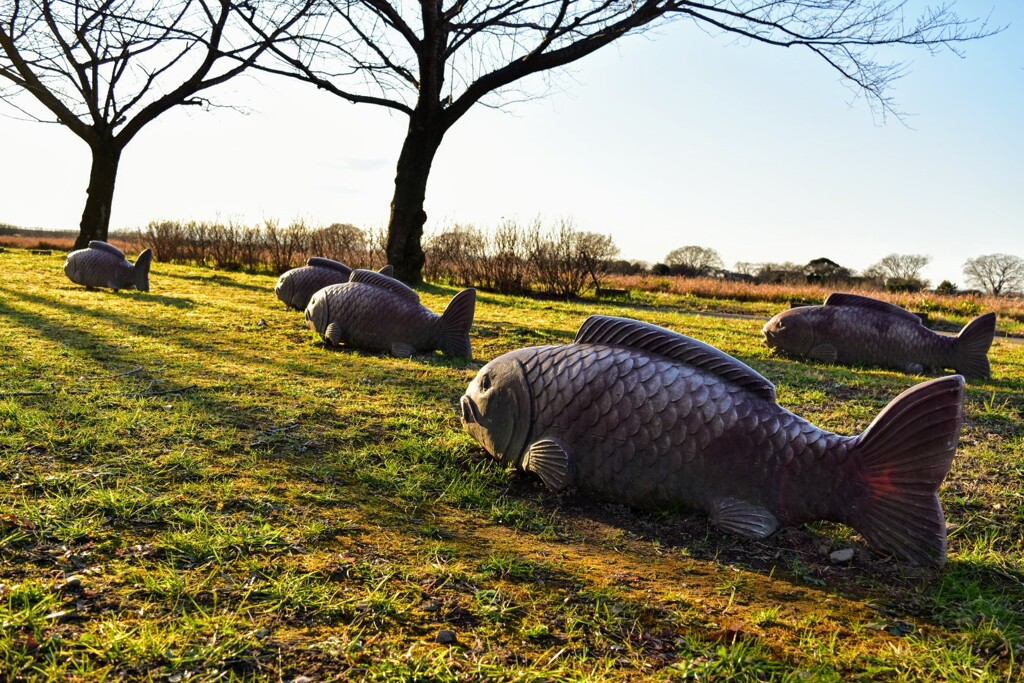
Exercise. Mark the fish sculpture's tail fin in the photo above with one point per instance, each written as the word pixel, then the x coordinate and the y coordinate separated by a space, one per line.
pixel 141 272
pixel 906 453
pixel 972 346
pixel 455 324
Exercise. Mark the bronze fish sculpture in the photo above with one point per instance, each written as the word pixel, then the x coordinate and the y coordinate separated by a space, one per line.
pixel 636 414
pixel 104 265
pixel 375 312
pixel 297 286
pixel 858 330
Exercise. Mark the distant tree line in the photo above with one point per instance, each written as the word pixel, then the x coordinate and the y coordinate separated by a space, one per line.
pixel 995 274
pixel 895 272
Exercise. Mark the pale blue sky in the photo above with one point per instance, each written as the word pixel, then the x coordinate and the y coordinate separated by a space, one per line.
pixel 661 141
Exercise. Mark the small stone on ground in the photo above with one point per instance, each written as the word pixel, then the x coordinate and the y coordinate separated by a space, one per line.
pixel 841 556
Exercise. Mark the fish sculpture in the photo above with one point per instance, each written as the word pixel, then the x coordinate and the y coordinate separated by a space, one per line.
pixel 858 330
pixel 636 414
pixel 297 286
pixel 104 265
pixel 375 312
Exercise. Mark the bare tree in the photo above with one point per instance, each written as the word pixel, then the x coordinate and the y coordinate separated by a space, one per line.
pixel 342 242
pixel 746 268
pixel 900 271
pixel 107 68
pixel 693 261
pixel 564 259
pixel 434 60
pixel 457 255
pixel 507 267
pixel 899 267
pixel 996 273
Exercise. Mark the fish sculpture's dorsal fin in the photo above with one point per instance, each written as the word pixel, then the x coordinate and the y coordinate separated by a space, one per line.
pixel 844 299
pixel 109 248
pixel 369 277
pixel 330 264
pixel 604 329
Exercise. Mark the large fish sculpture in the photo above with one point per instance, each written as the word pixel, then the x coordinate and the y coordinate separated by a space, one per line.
pixel 636 414
pixel 858 330
pixel 375 312
pixel 104 265
pixel 297 286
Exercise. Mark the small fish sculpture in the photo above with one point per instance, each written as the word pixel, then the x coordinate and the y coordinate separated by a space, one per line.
pixel 297 286
pixel 104 265
pixel 375 312
pixel 858 330
pixel 636 414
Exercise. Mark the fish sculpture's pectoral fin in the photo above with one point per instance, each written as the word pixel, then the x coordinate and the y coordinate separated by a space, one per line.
pixel 402 350
pixel 743 518
pixel 914 368
pixel 334 333
pixel 824 352
pixel 549 460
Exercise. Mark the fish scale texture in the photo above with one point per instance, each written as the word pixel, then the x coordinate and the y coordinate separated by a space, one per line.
pixel 373 318
pixel 654 433
pixel 859 335
pixel 93 267
pixel 862 336
pixel 298 285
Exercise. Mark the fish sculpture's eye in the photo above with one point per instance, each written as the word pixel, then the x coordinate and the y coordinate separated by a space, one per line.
pixel 485 382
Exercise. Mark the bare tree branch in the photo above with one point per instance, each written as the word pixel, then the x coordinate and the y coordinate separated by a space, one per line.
pixel 434 60
pixel 107 68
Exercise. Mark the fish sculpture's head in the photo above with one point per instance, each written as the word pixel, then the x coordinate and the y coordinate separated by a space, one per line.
pixel 789 331
pixel 318 312
pixel 496 409
pixel 285 288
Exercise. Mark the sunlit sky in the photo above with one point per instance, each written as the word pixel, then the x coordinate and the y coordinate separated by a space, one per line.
pixel 661 141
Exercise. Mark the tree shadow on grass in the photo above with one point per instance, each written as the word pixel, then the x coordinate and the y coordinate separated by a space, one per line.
pixel 193 340
pixel 164 300
pixel 219 279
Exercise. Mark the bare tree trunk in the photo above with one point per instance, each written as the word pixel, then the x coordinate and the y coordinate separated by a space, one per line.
pixel 106 154
pixel 405 228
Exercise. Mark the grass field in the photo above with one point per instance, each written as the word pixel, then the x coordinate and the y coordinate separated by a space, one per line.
pixel 192 488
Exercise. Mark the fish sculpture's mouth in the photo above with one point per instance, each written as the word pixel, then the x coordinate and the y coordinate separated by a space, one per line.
pixel 472 424
pixel 470 413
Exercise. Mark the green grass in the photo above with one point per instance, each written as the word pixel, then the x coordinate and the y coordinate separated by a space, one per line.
pixel 193 488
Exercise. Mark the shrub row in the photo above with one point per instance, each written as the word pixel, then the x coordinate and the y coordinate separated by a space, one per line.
pixel 559 261
pixel 263 247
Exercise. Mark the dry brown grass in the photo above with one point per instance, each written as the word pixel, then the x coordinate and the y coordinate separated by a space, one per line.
pixel 58 242
pixel 962 305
